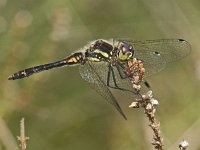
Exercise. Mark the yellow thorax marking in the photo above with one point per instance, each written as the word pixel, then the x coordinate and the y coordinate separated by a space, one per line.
pixel 102 53
pixel 93 59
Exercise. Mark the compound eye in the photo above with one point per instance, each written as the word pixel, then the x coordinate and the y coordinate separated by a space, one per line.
pixel 124 50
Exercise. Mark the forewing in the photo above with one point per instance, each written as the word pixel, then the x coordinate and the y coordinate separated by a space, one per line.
pixel 157 53
pixel 153 63
pixel 95 73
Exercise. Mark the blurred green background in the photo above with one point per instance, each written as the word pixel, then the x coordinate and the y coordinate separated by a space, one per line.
pixel 61 111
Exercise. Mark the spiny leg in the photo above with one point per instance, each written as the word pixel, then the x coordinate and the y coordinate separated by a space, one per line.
pixel 118 65
pixel 108 76
pixel 114 79
pixel 111 71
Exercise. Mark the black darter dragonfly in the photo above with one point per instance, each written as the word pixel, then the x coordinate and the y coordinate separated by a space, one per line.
pixel 102 62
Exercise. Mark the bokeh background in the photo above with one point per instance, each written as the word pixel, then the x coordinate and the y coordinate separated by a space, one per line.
pixel 61 111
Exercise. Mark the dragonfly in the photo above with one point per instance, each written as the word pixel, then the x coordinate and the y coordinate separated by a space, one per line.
pixel 102 63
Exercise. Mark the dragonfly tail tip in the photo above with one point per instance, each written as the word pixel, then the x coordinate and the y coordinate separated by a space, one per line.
pixel 10 77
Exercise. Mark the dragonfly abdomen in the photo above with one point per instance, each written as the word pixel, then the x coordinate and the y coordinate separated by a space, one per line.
pixel 73 59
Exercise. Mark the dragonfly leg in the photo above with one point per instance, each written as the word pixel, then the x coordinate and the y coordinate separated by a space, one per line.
pixel 118 65
pixel 108 77
pixel 124 77
pixel 111 72
pixel 114 79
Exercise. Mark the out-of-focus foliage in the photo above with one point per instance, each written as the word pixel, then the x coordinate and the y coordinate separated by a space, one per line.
pixel 60 110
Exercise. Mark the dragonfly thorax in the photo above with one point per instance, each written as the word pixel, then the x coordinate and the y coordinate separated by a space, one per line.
pixel 125 51
pixel 99 50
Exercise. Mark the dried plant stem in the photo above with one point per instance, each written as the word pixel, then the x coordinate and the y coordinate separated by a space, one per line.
pixel 135 71
pixel 149 110
pixel 22 138
pixel 183 145
pixel 148 103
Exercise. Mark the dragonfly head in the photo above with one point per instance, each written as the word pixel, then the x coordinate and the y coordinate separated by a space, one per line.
pixel 125 51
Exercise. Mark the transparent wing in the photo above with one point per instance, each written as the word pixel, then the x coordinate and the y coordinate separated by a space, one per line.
pixel 99 81
pixel 153 63
pixel 96 74
pixel 157 53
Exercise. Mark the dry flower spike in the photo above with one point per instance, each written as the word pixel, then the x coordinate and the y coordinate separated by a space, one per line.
pixel 135 71
pixel 22 138
pixel 183 145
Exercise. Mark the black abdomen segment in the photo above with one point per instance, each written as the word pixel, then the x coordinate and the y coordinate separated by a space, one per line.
pixel 73 59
